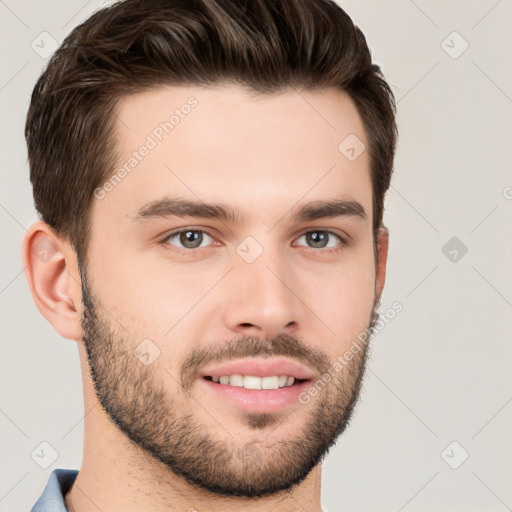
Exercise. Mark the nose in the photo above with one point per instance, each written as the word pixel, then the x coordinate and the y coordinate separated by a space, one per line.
pixel 261 299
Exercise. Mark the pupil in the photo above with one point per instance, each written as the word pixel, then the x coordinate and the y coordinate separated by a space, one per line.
pixel 318 235
pixel 190 236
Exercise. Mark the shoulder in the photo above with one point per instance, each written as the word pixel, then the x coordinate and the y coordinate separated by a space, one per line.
pixel 52 499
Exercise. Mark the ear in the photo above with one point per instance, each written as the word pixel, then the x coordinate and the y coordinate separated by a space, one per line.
pixel 382 258
pixel 51 270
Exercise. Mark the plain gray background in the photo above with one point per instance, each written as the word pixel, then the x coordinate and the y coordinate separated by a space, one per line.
pixel 438 388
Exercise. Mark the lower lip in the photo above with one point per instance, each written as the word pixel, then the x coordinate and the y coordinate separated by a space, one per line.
pixel 257 400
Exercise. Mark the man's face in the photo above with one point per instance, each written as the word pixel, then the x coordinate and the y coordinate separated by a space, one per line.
pixel 163 311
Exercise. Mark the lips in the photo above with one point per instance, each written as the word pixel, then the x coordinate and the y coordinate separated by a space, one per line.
pixel 260 368
pixel 255 401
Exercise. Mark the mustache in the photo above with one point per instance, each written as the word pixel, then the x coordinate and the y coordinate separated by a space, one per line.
pixel 248 347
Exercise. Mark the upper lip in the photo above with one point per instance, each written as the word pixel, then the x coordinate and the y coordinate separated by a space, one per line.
pixel 260 368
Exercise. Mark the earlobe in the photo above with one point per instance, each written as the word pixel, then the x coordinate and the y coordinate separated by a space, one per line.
pixel 382 257
pixel 52 275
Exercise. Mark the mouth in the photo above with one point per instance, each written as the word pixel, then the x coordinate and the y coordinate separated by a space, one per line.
pixel 255 382
pixel 250 372
pixel 257 385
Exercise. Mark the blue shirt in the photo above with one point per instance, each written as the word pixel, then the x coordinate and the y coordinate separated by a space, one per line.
pixel 52 499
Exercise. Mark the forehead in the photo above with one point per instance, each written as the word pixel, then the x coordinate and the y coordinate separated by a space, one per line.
pixel 225 144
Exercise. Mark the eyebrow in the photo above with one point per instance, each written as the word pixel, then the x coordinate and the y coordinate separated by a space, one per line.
pixel 178 207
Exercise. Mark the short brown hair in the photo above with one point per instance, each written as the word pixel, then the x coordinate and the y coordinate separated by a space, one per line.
pixel 134 45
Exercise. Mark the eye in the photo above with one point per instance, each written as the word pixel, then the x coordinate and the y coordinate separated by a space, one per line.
pixel 189 239
pixel 319 240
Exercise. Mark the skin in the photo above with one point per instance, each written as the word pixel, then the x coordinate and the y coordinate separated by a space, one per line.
pixel 264 156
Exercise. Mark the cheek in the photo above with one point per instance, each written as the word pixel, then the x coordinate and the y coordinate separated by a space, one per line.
pixel 152 300
pixel 344 300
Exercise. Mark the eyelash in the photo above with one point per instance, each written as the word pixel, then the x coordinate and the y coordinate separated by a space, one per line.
pixel 192 252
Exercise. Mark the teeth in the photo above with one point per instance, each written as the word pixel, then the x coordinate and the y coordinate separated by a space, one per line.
pixel 283 379
pixel 252 382
pixel 236 380
pixel 269 382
